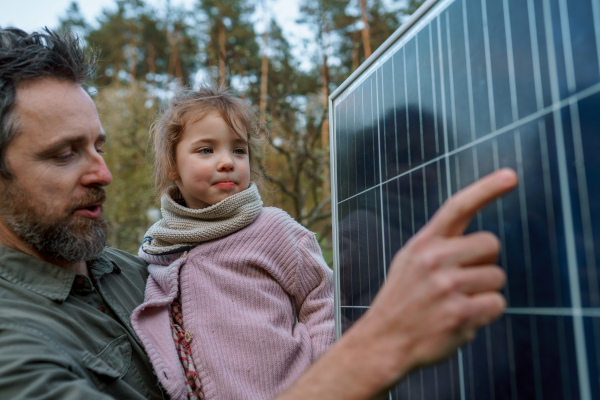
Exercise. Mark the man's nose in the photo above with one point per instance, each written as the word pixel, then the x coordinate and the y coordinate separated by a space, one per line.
pixel 97 173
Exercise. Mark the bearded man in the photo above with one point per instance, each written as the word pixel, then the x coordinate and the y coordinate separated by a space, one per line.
pixel 66 300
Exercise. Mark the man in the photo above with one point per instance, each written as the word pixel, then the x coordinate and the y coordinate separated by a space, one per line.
pixel 65 300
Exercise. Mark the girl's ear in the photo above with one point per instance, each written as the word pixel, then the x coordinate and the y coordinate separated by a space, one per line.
pixel 173 175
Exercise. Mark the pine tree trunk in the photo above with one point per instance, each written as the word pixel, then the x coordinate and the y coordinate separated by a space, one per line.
pixel 133 59
pixel 222 65
pixel 264 76
pixel 174 67
pixel 366 34
pixel 151 58
pixel 325 101
pixel 325 122
pixel 355 62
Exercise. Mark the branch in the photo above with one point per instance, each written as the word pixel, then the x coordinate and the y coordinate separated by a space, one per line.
pixel 278 148
pixel 324 232
pixel 274 180
pixel 318 218
pixel 317 209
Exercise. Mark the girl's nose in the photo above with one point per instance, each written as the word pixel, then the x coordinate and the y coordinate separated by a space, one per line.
pixel 225 164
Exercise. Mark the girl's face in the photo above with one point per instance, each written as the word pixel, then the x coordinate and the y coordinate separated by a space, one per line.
pixel 212 162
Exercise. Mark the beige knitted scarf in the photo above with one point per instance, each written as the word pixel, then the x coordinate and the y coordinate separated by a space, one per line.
pixel 182 228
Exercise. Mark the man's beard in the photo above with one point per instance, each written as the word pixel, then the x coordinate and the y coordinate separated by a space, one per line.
pixel 65 238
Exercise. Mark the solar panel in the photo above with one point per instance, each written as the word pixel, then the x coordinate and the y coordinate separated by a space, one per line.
pixel 463 88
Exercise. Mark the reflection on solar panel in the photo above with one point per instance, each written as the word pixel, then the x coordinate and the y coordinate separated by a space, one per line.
pixel 464 88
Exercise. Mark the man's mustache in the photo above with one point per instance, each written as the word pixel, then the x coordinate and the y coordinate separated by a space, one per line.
pixel 95 195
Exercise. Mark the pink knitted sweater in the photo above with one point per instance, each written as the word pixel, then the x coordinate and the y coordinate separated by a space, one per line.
pixel 241 295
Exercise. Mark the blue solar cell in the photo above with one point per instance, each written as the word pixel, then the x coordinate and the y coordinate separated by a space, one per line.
pixel 473 86
pixel 361 244
pixel 592 332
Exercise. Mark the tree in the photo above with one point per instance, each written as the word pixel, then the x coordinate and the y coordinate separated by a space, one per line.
pixel 296 163
pixel 126 112
pixel 231 40
pixel 183 43
pixel 366 35
pixel 73 20
pixel 299 166
pixel 362 27
pixel 321 14
pixel 135 43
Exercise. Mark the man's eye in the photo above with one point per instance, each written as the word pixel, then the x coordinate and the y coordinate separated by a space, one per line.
pixel 205 150
pixel 64 157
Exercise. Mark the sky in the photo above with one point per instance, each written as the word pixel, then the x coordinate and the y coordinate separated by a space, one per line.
pixel 31 15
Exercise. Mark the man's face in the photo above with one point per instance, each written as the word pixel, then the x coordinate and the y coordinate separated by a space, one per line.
pixel 52 207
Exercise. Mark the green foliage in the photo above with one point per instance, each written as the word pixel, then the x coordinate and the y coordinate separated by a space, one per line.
pixel 412 6
pixel 126 112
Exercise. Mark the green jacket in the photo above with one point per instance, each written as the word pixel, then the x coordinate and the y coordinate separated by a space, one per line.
pixel 65 336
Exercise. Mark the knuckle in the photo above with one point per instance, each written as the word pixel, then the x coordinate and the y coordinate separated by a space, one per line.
pixel 430 253
pixel 430 260
pixel 457 314
pixel 469 335
pixel 500 304
pixel 491 241
pixel 418 241
pixel 454 205
pixel 501 277
pixel 443 283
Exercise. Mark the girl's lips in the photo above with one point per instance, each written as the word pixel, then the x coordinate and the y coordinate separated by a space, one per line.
pixel 91 212
pixel 225 185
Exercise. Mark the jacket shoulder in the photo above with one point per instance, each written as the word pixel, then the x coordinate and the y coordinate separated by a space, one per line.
pixel 274 215
pixel 124 259
pixel 277 221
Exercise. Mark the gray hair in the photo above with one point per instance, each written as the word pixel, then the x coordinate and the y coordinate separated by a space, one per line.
pixel 36 55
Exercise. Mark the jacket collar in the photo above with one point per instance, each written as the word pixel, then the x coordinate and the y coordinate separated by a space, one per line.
pixel 42 277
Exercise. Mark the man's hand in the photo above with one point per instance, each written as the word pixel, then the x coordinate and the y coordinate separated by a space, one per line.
pixel 441 287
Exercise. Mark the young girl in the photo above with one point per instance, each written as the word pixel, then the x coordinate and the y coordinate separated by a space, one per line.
pixel 239 301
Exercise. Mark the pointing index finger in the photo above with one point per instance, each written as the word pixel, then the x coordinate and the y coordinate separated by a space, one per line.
pixel 456 213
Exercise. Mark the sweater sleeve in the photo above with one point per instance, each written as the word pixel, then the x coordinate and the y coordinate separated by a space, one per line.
pixel 314 297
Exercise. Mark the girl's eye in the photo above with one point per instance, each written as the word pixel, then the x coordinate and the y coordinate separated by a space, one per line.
pixel 239 151
pixel 205 150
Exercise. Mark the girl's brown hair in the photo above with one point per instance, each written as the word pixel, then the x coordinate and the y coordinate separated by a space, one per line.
pixel 189 106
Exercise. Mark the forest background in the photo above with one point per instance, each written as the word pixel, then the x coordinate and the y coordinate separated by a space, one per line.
pixel 148 52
